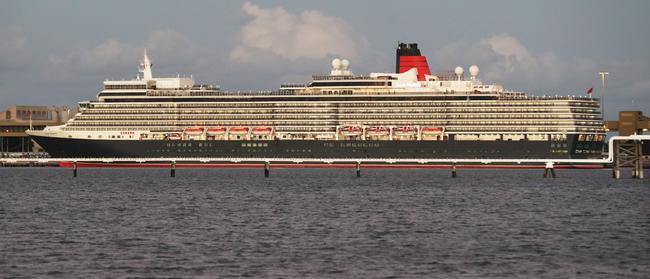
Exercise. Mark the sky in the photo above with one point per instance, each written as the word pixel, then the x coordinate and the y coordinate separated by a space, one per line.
pixel 60 52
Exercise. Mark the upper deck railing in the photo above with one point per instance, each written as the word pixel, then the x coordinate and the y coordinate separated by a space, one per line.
pixel 329 77
pixel 497 95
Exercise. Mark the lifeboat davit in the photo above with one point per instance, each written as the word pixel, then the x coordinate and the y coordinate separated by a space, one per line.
pixel 262 130
pixel 351 130
pixel 239 130
pixel 194 131
pixel 432 130
pixel 405 131
pixel 213 131
pixel 377 131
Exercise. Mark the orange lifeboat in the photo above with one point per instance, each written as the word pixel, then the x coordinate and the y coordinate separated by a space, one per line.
pixel 213 131
pixel 194 131
pixel 405 131
pixel 174 136
pixel 377 131
pixel 239 130
pixel 432 130
pixel 351 130
pixel 262 130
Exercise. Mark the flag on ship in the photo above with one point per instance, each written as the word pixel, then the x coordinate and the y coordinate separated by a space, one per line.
pixel 590 90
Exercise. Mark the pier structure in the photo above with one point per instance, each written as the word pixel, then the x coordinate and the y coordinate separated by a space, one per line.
pixel 628 153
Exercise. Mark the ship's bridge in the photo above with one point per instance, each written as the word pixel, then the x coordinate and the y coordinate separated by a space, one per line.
pixel 146 86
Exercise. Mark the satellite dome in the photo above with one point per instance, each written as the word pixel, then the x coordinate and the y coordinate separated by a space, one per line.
pixel 336 63
pixel 345 64
pixel 459 71
pixel 473 70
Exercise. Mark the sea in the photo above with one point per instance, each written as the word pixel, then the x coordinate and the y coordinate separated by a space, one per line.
pixel 322 223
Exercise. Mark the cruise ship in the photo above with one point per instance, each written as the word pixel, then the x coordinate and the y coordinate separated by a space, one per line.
pixel 409 113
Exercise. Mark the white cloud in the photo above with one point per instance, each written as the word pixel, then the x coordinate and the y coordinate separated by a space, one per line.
pixel 98 58
pixel 503 58
pixel 168 47
pixel 310 35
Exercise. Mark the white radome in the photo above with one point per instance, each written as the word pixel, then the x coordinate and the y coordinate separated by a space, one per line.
pixel 459 71
pixel 345 64
pixel 336 63
pixel 473 70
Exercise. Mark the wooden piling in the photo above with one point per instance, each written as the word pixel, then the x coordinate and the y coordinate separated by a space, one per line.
pixel 453 170
pixel 172 171
pixel 358 169
pixel 549 170
pixel 267 169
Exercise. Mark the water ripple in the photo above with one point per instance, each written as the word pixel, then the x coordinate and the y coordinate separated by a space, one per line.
pixel 322 223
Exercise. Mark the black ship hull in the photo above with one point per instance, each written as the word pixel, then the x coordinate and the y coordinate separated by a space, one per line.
pixel 82 148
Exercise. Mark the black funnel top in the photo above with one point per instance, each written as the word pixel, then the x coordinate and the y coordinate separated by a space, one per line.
pixel 406 49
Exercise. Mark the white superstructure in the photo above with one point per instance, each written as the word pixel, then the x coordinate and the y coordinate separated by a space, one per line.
pixel 338 106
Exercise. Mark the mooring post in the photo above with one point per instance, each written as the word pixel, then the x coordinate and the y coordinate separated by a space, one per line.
pixel 267 169
pixel 172 171
pixel 616 166
pixel 74 169
pixel 639 159
pixel 453 170
pixel 640 171
pixel 549 169
pixel 358 169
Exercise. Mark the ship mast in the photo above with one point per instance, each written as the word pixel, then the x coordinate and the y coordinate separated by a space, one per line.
pixel 602 92
pixel 145 67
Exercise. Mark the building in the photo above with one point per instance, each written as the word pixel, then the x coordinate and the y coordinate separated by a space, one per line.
pixel 17 119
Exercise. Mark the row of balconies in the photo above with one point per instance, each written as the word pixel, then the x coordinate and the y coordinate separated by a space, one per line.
pixel 342 111
pixel 495 117
pixel 344 104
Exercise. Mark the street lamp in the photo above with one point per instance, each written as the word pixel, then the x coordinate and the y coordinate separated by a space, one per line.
pixel 602 94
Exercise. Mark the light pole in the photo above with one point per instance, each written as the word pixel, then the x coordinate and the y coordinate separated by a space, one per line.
pixel 602 92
